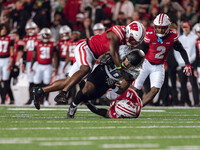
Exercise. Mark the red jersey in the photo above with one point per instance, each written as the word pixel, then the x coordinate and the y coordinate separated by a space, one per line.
pixel 198 46
pixel 18 44
pixel 158 50
pixel 5 43
pixel 71 46
pixel 100 44
pixel 63 48
pixel 128 95
pixel 29 45
pixel 44 52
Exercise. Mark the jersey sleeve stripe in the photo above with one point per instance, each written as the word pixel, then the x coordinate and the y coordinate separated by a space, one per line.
pixel 119 33
pixel 83 55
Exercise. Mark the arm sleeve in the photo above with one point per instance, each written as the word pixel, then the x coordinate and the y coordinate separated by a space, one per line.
pixel 94 109
pixel 144 47
pixel 179 47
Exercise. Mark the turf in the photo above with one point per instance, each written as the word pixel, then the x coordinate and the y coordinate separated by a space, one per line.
pixel 46 129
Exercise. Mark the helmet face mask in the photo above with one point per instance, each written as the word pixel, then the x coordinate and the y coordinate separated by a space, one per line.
pixel 162 25
pixel 45 35
pixel 197 31
pixel 135 33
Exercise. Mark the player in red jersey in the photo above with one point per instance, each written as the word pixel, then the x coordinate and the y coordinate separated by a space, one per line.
pixel 6 59
pixel 87 53
pixel 127 105
pixel 29 42
pixel 158 42
pixel 197 31
pixel 63 46
pixel 44 52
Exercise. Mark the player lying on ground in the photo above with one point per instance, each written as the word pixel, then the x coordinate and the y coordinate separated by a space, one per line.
pixel 127 105
pixel 106 76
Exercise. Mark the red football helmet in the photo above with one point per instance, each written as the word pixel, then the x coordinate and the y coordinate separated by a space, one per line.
pixel 161 25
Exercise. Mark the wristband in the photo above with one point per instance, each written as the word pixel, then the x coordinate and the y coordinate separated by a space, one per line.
pixel 118 67
pixel 12 56
pixel 123 65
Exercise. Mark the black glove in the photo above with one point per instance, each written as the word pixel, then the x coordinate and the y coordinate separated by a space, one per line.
pixel 106 59
pixel 111 83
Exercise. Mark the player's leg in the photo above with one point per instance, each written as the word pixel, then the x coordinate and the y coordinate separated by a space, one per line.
pixel 82 96
pixel 30 80
pixel 5 79
pixel 156 80
pixel 144 73
pixel 85 61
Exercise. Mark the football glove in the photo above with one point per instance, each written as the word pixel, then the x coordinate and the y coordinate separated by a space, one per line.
pixel 187 70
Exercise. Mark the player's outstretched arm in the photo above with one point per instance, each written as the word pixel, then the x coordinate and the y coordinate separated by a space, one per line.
pixel 98 111
pixel 179 47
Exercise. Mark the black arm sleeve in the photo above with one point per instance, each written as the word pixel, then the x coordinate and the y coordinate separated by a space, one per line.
pixel 24 57
pixel 101 112
pixel 179 47
pixel 196 62
pixel 143 46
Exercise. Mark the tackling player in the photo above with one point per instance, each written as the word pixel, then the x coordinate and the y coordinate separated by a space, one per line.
pixel 158 42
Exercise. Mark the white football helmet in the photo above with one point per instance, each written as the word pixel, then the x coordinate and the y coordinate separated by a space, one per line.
pixel 135 33
pixel 126 109
pixel 98 28
pixel 65 32
pixel 163 21
pixel 46 35
pixel 31 28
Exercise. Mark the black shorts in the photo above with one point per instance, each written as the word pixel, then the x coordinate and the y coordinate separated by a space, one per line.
pixel 98 78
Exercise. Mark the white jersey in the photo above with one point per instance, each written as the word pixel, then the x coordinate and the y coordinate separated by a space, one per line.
pixel 188 43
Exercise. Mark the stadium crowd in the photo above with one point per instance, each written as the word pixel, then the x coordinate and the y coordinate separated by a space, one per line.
pixel 29 23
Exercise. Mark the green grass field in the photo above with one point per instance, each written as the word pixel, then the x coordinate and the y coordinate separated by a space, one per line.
pixel 25 128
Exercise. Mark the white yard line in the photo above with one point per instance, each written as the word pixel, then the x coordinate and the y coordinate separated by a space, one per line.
pixel 130 145
pixel 61 109
pixel 64 143
pixel 94 138
pixel 94 128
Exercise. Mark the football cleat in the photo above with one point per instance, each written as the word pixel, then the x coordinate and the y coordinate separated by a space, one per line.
pixel 37 94
pixel 71 111
pixel 61 97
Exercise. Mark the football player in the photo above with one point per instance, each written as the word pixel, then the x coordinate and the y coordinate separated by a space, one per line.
pixel 87 52
pixel 65 35
pixel 98 28
pixel 106 76
pixel 197 31
pixel 6 59
pixel 127 105
pixel 29 42
pixel 44 52
pixel 157 43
